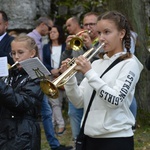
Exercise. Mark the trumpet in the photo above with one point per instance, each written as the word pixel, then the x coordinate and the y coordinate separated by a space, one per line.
pixel 76 43
pixel 50 88
pixel 11 66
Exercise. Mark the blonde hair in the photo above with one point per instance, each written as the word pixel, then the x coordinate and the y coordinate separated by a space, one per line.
pixel 13 33
pixel 30 43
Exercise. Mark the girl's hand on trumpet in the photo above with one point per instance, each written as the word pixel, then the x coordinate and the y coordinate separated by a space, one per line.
pixel 83 65
pixel 55 72
pixel 64 65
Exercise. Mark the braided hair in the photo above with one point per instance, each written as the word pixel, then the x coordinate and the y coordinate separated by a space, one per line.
pixel 121 23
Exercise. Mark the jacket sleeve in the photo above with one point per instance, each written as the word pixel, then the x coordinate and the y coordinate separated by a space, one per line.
pixel 124 86
pixel 47 57
pixel 113 89
pixel 23 98
pixel 147 62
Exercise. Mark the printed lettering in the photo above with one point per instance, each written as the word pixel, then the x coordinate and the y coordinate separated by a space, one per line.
pixel 117 101
pixel 106 94
pixel 109 98
pixel 122 95
pixel 113 100
pixel 101 93
pixel 126 86
pixel 123 91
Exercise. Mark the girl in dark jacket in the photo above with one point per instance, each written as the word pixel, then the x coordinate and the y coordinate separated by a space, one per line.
pixel 20 101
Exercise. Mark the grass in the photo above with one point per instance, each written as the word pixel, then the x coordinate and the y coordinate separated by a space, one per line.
pixel 65 139
pixel 141 137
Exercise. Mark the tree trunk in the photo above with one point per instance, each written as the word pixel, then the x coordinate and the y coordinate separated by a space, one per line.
pixel 135 12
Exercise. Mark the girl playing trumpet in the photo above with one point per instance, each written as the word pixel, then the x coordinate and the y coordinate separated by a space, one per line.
pixel 20 101
pixel 109 121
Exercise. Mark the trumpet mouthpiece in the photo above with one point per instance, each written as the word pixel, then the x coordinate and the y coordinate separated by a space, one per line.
pixel 89 31
pixel 103 44
pixel 9 66
pixel 15 64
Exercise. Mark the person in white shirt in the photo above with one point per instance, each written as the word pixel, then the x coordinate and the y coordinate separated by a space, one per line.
pixel 51 58
pixel 109 121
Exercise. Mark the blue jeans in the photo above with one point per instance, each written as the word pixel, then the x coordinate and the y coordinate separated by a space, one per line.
pixel 75 115
pixel 133 107
pixel 46 113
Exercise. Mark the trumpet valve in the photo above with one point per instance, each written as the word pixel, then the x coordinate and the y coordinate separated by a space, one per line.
pixel 71 62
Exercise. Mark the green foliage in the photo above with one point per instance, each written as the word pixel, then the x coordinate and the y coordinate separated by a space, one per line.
pixel 148 30
pixel 72 9
pixel 141 137
pixel 143 118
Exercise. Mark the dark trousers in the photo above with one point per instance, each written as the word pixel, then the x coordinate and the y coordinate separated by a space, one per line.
pixel 120 143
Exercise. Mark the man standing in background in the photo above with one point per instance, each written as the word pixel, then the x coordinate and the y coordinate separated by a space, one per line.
pixel 43 26
pixel 5 38
pixel 75 115
pixel 90 39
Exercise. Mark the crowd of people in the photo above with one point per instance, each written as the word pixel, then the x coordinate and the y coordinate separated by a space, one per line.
pixel 112 116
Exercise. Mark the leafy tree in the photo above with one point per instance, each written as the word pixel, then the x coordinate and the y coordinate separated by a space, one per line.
pixel 134 11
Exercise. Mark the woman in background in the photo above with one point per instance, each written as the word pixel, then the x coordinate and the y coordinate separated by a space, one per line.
pixel 51 59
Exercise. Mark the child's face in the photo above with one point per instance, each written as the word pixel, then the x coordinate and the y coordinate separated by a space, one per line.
pixel 111 36
pixel 20 51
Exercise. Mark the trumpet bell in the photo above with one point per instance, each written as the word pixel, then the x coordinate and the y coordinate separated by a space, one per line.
pixel 76 43
pixel 49 88
pixel 9 66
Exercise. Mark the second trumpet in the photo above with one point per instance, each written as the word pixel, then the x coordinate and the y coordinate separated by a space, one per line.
pixel 76 43
pixel 50 88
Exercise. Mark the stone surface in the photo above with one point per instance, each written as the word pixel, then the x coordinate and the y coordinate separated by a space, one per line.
pixel 22 13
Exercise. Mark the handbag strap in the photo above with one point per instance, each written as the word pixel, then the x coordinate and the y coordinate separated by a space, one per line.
pixel 94 92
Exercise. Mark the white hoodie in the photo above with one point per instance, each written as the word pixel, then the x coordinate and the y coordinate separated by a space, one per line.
pixel 109 115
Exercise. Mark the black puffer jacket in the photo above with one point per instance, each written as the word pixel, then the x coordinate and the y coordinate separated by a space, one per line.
pixel 20 102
